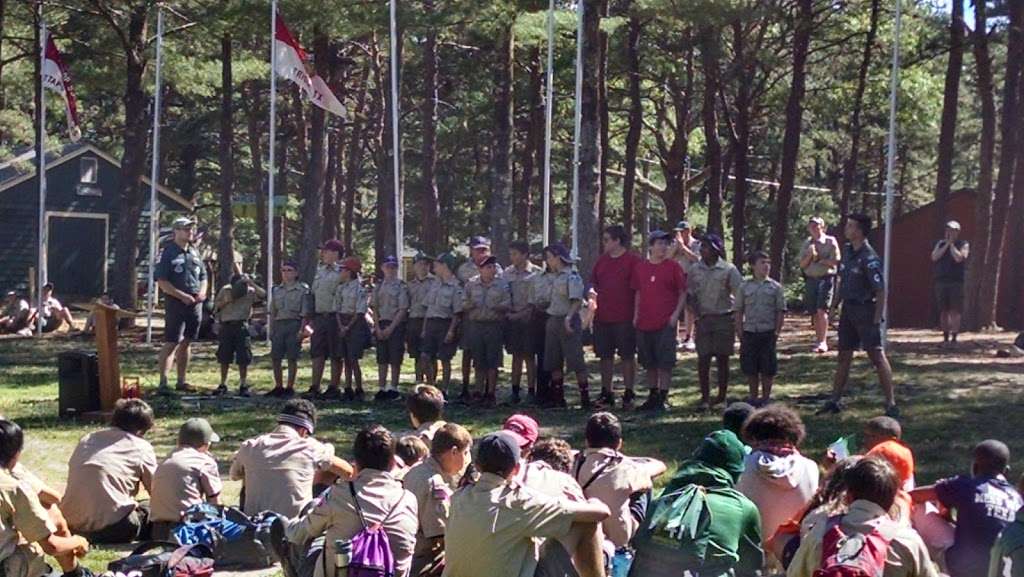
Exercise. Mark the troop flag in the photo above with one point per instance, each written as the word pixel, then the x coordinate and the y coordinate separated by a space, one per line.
pixel 294 64
pixel 57 79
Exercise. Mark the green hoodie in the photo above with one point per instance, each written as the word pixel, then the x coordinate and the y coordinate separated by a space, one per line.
pixel 1008 552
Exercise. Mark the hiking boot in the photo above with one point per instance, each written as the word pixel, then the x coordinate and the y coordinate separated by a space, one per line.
pixel 312 394
pixel 220 391
pixel 244 391
pixel 831 408
pixel 331 394
pixel 892 411
pixel 276 392
pixel 652 403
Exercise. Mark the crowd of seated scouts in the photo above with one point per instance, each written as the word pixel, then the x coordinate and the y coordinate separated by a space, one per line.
pixel 512 503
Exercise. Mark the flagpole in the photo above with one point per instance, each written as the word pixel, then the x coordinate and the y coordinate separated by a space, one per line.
pixel 548 112
pixel 576 130
pixel 154 175
pixel 271 167
pixel 394 138
pixel 41 163
pixel 890 164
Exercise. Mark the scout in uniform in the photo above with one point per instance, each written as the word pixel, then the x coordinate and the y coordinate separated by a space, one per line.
pixel 950 257
pixel 419 286
pixel 563 339
pixel 233 307
pixel 479 249
pixel 519 341
pixel 188 477
pixel 440 329
pixel 760 311
pixel 712 285
pixel 278 469
pixel 325 342
pixel 540 299
pixel 181 276
pixel 105 473
pixel 350 305
pixel 287 303
pixel 372 498
pixel 426 410
pixel 390 305
pixel 26 529
pixel 862 290
pixel 433 482
pixel 686 251
pixel 488 299
pixel 819 259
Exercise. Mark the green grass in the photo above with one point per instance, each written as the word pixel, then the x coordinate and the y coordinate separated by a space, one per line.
pixel 949 403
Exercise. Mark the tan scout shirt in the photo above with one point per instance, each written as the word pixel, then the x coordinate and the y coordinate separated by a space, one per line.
pixel 907 556
pixel 382 499
pixel 289 301
pixel 566 286
pixel 445 299
pixel 21 515
pixel 520 282
pixel 188 477
pixel 325 283
pixel 713 287
pixel 676 253
pixel 419 288
pixel 487 302
pixel 613 487
pixel 426 430
pixel 350 298
pixel 433 490
pixel 496 524
pixel 277 470
pixel 468 270
pixel 105 472
pixel 760 302
pixel 828 249
pixel 239 309
pixel 540 290
pixel 390 297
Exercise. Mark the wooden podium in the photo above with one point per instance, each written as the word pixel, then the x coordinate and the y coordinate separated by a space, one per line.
pixel 107 354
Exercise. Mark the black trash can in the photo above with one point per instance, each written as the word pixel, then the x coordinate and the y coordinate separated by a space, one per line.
pixel 79 378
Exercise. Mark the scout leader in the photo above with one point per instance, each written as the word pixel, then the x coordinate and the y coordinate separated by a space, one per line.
pixel 563 339
pixel 390 305
pixel 488 299
pixel 181 276
pixel 325 342
pixel 419 286
pixel 350 304
pixel 287 303
pixel 444 308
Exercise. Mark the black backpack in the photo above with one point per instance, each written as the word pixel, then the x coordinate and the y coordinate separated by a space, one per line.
pixel 163 559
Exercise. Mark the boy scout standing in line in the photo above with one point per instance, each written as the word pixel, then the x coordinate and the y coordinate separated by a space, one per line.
pixel 540 300
pixel 233 306
pixel 419 286
pixel 479 249
pixel 488 299
pixel 444 307
pixel 518 330
pixel 324 344
pixel 563 338
pixel 760 311
pixel 287 302
pixel 351 304
pixel 390 304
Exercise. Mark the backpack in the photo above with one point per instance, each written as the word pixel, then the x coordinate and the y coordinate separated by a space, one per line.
pixel 856 555
pixel 371 549
pixel 172 560
pixel 236 540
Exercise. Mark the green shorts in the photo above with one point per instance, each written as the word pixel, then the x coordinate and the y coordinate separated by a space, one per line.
pixel 561 348
pixel 716 335
pixel 392 350
pixel 433 345
pixel 485 344
pixel 285 342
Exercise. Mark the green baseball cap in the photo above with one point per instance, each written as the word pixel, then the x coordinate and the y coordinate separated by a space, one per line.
pixel 448 259
pixel 197 432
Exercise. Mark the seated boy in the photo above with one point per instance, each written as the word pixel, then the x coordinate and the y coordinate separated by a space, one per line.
pixel 410 450
pixel 1008 553
pixel 188 477
pixel 105 473
pixel 373 497
pixel 426 409
pixel 278 469
pixel 985 503
pixel 883 437
pixel 26 530
pixel 733 418
pixel 496 521
pixel 871 490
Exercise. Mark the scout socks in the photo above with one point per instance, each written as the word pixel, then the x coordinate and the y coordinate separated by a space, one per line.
pixel 585 396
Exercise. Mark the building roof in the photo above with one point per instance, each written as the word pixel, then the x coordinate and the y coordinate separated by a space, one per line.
pixel 23 167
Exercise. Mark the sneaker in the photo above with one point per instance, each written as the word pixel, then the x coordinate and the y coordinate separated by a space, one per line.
pixel 185 388
pixel 349 395
pixel 331 394
pixel 386 396
pixel 607 399
pixel 312 394
pixel 822 348
pixel 360 395
pixel 275 392
pixel 627 399
pixel 689 346
pixel 221 390
pixel 892 411
pixel 243 391
pixel 831 408
pixel 652 403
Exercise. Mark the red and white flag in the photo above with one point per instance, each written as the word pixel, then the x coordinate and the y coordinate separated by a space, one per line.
pixel 57 79
pixel 293 63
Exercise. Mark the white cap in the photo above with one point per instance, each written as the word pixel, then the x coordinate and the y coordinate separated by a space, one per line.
pixel 953 225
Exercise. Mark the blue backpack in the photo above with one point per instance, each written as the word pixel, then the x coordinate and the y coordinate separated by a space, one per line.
pixel 237 540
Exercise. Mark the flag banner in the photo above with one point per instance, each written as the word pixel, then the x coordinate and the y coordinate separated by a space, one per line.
pixel 57 79
pixel 294 64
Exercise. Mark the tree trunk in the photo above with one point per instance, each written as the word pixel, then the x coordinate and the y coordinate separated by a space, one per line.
pixel 430 201
pixel 501 153
pixel 226 240
pixel 850 166
pixel 791 135
pixel 741 145
pixel 1015 237
pixel 354 162
pixel 602 87
pixel 636 121
pixel 590 140
pixel 986 157
pixel 533 148
pixel 313 182
pixel 331 210
pixel 950 107
pixel 709 56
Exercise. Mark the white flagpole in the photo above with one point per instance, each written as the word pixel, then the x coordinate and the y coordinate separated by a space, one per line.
pixel 154 175
pixel 548 111
pixel 270 162
pixel 890 166
pixel 399 213
pixel 576 130
pixel 42 257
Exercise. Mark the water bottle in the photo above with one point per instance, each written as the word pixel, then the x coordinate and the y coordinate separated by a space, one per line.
pixel 342 557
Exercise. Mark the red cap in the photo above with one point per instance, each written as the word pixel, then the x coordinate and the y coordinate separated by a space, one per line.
pixel 353 264
pixel 334 245
pixel 524 428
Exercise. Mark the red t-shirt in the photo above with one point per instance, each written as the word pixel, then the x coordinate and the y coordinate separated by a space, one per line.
pixel 612 281
pixel 657 287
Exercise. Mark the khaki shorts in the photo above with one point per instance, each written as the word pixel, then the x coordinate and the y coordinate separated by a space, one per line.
pixel 716 335
pixel 561 348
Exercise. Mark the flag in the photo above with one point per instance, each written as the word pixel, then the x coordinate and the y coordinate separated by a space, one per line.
pixel 57 79
pixel 293 64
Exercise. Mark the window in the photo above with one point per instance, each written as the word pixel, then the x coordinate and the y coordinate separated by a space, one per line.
pixel 88 170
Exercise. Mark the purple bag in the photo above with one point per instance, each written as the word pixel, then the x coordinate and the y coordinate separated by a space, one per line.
pixel 371 548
